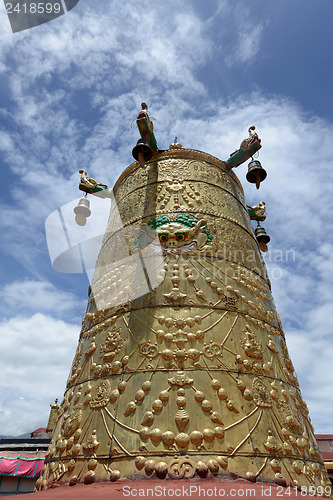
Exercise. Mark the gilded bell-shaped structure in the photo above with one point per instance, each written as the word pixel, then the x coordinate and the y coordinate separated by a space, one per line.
pixel 182 368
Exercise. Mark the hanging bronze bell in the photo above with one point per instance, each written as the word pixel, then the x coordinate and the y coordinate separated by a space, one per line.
pixel 142 152
pixel 262 238
pixel 82 211
pixel 256 173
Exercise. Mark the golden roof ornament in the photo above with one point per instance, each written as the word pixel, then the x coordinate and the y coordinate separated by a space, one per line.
pixel 182 369
pixel 146 146
pixel 257 212
pixel 53 416
pixel 175 144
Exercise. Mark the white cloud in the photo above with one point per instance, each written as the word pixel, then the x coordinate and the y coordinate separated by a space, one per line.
pixel 247 46
pixel 38 296
pixel 238 34
pixel 312 353
pixel 38 354
pixel 249 42
pixel 6 143
pixel 82 49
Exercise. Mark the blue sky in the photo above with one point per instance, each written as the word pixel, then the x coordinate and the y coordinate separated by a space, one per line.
pixel 69 90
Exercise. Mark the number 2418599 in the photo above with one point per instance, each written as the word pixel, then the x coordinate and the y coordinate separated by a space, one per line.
pixel 33 8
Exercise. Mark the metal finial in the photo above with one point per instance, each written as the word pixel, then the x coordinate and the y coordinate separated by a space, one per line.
pixel 176 144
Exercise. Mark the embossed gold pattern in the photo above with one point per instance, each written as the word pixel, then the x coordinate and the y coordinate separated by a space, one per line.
pixel 193 378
